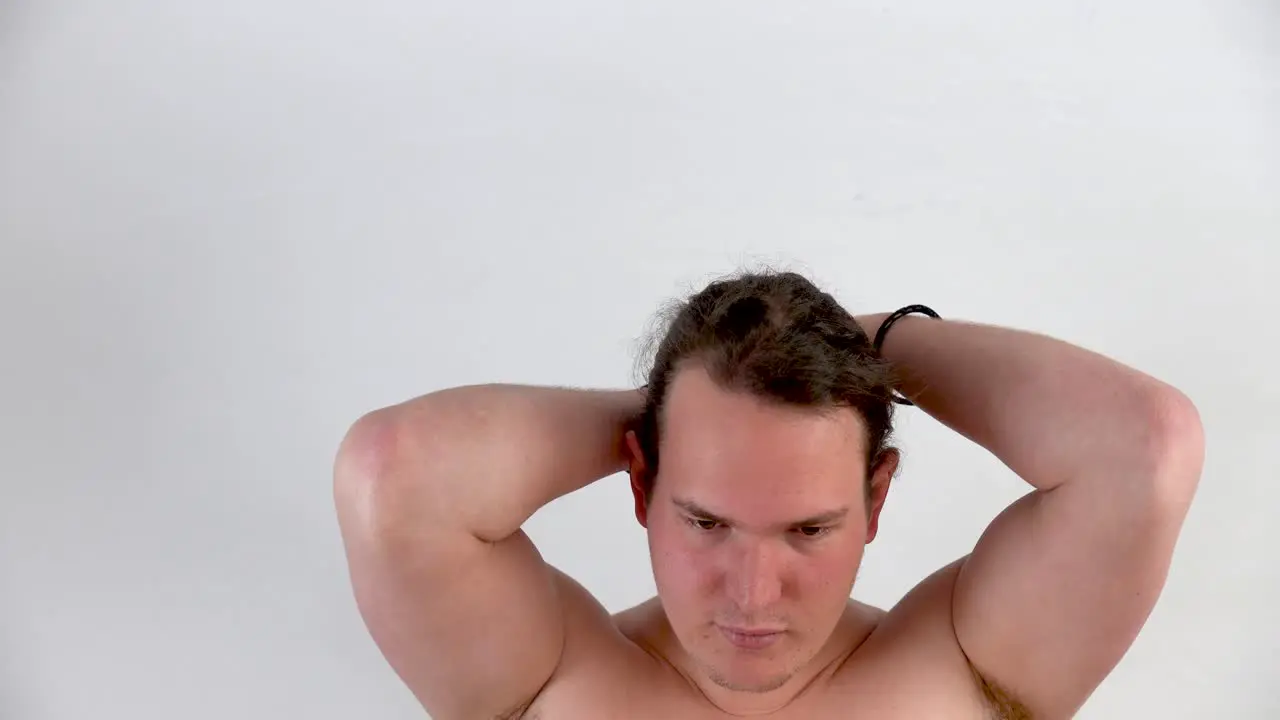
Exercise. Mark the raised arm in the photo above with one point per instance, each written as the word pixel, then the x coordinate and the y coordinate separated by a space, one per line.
pixel 1061 582
pixel 431 495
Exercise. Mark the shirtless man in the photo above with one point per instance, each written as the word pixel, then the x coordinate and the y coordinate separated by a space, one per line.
pixel 770 409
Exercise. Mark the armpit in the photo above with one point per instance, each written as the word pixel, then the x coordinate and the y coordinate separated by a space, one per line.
pixel 1002 703
pixel 518 712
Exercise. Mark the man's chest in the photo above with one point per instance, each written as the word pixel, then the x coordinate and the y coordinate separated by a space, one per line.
pixel 923 704
pixel 874 693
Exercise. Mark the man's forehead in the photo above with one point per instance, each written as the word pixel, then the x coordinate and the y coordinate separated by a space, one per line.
pixel 700 417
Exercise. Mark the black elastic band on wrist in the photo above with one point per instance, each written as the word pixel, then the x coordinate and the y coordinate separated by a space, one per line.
pixel 894 317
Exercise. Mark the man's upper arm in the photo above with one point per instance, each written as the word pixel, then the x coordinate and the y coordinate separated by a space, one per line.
pixel 473 628
pixel 1061 582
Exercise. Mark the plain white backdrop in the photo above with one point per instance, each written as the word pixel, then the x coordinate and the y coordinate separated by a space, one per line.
pixel 228 229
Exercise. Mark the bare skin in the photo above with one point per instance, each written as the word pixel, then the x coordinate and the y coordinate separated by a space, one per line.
pixel 758 521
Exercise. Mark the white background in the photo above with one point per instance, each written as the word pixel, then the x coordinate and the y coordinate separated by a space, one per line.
pixel 227 229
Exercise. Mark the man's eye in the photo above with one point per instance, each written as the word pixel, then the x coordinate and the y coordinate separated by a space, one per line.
pixel 703 524
pixel 812 531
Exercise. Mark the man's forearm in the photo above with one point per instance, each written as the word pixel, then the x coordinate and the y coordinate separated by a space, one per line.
pixel 1049 410
pixel 486 457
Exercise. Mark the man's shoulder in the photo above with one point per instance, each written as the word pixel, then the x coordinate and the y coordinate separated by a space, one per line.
pixel 917 624
pixel 918 632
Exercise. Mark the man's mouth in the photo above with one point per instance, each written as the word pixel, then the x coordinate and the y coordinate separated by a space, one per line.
pixel 751 638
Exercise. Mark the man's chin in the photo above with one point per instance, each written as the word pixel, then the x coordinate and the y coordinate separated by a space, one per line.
pixel 746 672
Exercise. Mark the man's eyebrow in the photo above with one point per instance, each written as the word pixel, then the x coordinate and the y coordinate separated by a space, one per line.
pixel 825 518
pixel 697 510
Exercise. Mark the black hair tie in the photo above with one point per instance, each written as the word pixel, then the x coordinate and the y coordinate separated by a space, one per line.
pixel 894 317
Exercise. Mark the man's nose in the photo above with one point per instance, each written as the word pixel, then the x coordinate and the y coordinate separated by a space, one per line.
pixel 754 578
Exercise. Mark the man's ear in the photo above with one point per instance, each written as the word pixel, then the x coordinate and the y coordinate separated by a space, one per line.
pixel 637 468
pixel 879 479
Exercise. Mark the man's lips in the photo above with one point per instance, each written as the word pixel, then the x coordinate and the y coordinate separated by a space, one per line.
pixel 751 638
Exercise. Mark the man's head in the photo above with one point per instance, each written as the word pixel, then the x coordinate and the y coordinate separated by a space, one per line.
pixel 759 468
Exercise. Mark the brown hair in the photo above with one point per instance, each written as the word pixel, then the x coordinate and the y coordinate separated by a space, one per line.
pixel 779 337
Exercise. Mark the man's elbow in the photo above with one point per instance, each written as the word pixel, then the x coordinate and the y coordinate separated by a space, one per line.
pixel 371 485
pixel 1176 448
